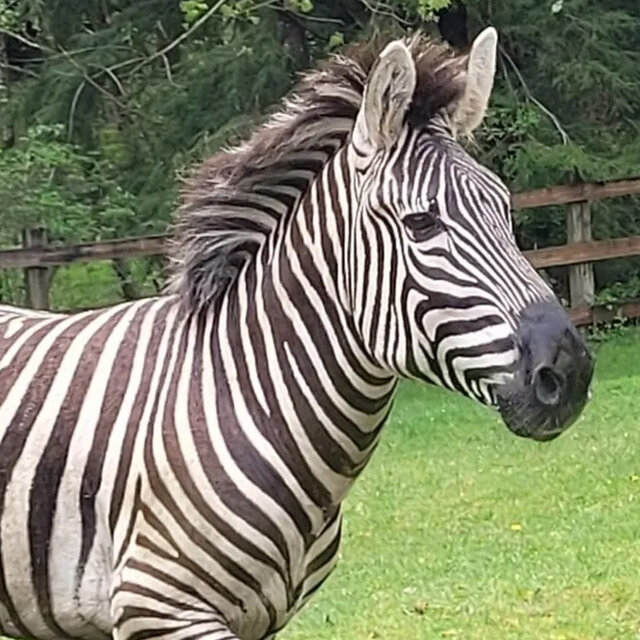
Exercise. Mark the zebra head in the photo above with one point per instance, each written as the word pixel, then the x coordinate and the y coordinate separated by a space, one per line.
pixel 433 235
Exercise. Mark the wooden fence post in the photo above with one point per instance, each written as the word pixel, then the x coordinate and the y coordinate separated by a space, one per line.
pixel 36 278
pixel 581 279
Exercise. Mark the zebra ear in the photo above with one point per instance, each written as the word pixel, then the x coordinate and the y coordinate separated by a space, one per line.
pixel 481 69
pixel 387 97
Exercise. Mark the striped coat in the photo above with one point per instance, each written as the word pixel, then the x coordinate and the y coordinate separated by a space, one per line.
pixel 174 468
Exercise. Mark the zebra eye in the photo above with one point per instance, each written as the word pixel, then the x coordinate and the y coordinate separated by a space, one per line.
pixel 422 226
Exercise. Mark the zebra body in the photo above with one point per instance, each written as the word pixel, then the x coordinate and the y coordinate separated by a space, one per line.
pixel 113 459
pixel 174 467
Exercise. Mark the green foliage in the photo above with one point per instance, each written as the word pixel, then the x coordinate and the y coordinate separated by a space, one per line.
pixel 96 284
pixel 627 290
pixel 428 9
pixel 132 93
pixel 48 182
pixel 335 41
pixel 303 6
pixel 578 67
pixel 619 327
pixel 45 181
pixel 192 10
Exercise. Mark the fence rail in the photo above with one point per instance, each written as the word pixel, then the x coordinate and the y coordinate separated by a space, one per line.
pixel 569 193
pixel 54 256
pixel 579 252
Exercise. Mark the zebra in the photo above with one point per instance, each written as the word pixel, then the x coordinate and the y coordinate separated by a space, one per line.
pixel 174 467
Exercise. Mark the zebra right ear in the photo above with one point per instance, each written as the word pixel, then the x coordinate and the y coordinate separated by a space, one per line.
pixel 387 96
pixel 481 69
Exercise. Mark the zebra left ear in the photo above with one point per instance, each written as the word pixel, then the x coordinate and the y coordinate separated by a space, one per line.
pixel 481 69
pixel 387 97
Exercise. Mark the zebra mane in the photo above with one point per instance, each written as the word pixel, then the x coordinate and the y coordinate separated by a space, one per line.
pixel 234 203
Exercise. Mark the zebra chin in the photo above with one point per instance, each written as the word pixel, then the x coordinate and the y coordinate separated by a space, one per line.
pixel 551 385
pixel 527 417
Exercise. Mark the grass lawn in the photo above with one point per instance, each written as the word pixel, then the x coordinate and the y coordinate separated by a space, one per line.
pixel 460 530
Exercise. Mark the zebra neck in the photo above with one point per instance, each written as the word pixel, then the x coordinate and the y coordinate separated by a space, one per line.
pixel 297 356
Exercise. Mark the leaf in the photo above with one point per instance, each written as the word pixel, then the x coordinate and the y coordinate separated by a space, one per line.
pixel 192 9
pixel 335 41
pixel 427 9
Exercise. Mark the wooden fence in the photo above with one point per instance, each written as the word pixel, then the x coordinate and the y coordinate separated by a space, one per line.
pixel 36 256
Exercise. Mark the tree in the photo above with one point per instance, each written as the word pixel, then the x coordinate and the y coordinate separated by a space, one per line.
pixel 145 88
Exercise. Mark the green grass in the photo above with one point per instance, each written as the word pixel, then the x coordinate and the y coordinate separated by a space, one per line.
pixel 460 530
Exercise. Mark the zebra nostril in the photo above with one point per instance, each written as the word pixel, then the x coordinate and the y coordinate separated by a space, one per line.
pixel 547 385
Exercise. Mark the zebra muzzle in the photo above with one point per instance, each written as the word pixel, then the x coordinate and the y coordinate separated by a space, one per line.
pixel 551 385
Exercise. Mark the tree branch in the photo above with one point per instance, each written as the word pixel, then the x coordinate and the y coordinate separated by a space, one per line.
pixel 24 40
pixel 563 134
pixel 183 36
pixel 72 110
pixel 167 68
pixel 95 85
pixel 384 10
pixel 13 67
